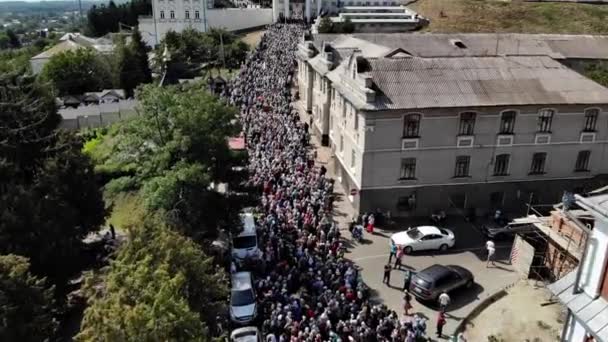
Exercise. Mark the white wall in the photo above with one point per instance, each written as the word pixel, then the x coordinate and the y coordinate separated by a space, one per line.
pixel 232 19
pixel 593 268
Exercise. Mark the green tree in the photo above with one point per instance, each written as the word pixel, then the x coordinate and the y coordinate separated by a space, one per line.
pixel 13 40
pixel 326 25
pixel 26 303
pixel 347 26
pixel 172 152
pixel 76 72
pixel 4 41
pixel 161 287
pixel 42 217
pixel 133 68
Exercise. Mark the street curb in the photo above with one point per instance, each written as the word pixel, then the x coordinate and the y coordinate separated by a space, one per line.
pixel 481 306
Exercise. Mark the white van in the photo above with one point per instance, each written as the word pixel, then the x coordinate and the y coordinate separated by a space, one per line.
pixel 245 244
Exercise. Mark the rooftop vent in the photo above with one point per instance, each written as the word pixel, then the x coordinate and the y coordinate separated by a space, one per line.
pixel 458 43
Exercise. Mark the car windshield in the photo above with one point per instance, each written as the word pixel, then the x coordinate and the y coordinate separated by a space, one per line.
pixel 422 283
pixel 444 232
pixel 240 298
pixel 244 242
pixel 414 234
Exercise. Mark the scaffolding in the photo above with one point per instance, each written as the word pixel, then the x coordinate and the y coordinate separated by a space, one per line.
pixel 555 252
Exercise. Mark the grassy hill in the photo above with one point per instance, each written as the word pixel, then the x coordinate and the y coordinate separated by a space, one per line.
pixel 512 16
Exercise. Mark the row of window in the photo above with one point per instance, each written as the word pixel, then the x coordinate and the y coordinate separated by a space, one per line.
pixel 501 165
pixel 197 14
pixel 366 3
pixel 411 122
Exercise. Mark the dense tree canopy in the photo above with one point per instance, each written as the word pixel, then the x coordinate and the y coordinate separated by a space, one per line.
pixel 49 199
pixel 76 72
pixel 161 287
pixel 191 48
pixel 26 303
pixel 172 152
pixel 104 19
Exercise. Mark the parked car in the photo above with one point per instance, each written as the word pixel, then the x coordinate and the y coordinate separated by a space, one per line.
pixel 243 308
pixel 424 238
pixel 497 232
pixel 245 244
pixel 429 283
pixel 246 334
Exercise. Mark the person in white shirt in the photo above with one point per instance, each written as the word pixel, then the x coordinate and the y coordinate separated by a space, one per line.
pixel 491 250
pixel 444 301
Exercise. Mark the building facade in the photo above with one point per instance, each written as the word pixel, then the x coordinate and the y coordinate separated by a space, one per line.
pixel 413 134
pixel 584 291
pixel 177 15
pixel 374 19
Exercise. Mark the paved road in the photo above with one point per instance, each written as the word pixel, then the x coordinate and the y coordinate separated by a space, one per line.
pixel 469 252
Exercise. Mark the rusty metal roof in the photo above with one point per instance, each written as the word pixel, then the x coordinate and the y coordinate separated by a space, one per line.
pixel 408 83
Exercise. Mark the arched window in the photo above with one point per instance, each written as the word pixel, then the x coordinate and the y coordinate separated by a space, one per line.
pixel 411 125
pixel 507 122
pixel 467 123
pixel 591 119
pixel 162 14
pixel 172 14
pixel 187 14
pixel 545 118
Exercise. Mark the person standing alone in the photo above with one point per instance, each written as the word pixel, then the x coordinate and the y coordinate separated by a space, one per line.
pixel 398 257
pixel 387 274
pixel 491 250
pixel 444 301
pixel 440 323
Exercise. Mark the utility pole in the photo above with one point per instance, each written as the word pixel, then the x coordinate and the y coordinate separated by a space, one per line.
pixel 80 9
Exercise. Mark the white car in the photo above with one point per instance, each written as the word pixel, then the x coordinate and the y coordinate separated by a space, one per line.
pixel 243 308
pixel 245 244
pixel 246 334
pixel 424 238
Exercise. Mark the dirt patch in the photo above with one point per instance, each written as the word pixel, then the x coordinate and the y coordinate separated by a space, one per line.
pixel 253 38
pixel 521 315
pixel 512 16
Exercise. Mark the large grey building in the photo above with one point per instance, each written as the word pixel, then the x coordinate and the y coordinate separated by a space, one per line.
pixel 423 122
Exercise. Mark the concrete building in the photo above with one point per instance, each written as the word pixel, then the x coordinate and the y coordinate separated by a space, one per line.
pixel 584 291
pixel 425 122
pixel 376 19
pixel 177 15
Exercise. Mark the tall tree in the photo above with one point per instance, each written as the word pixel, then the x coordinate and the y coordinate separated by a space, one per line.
pixel 26 302
pixel 161 287
pixel 133 67
pixel 13 40
pixel 41 216
pixel 76 72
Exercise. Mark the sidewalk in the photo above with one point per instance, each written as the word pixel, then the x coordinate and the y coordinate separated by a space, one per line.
pixel 343 210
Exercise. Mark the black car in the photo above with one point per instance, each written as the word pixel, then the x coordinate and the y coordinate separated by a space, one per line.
pixel 499 232
pixel 429 283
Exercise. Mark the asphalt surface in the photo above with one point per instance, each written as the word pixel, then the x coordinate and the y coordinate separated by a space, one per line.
pixel 469 252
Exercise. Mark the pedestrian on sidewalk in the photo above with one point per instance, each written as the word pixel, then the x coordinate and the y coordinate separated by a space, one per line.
pixel 491 250
pixel 370 224
pixel 407 279
pixel 387 274
pixel 444 301
pixel 393 252
pixel 398 257
pixel 407 302
pixel 440 323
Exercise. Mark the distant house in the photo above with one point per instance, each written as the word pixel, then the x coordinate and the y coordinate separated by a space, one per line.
pixel 72 42
pixel 95 109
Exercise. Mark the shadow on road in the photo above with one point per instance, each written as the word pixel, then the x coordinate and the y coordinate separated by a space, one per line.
pixel 460 298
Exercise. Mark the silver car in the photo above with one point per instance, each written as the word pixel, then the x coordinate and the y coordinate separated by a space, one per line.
pixel 243 308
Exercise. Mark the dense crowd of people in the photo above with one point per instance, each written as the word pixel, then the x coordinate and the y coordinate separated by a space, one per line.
pixel 306 290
